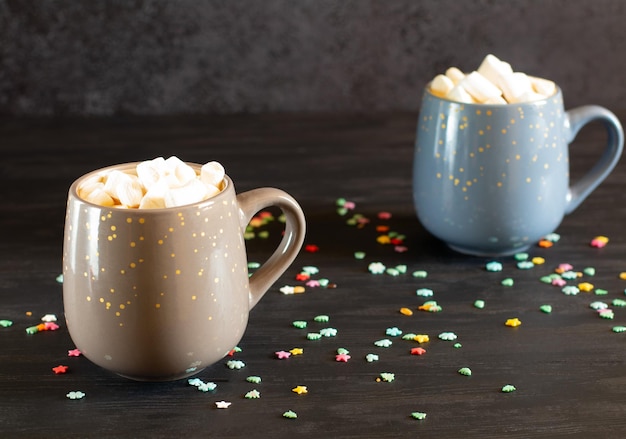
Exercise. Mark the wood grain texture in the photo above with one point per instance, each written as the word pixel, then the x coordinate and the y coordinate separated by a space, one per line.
pixel 567 366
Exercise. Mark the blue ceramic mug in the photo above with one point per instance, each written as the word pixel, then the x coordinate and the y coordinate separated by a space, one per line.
pixel 494 179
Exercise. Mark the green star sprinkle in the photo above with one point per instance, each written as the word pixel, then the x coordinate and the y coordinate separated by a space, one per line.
pixel 448 336
pixel 235 364
pixel 384 343
pixel 323 282
pixel 409 336
pixel 321 318
pixel 371 358
pixel 313 336
pixel 290 414
pixel 569 275
pixel 525 265
pixel 508 388
pixel 421 274
pixel 328 332
pixel 254 379
pixel 5 323
pixel 264 234
pixel 457 345
pixel 619 302
pixel 392 272
pixel 508 282
pixel 619 328
pixel 546 279
pixel 480 304
pixel 424 292
pixel 393 332
pixel 607 314
pixel 342 351
pixel 521 256
pixel 546 308
pixel 253 394
pixel 300 324
pixel 387 377
pixel 418 415
pixel 401 268
pixel 466 371
pixel 589 271
pixel 601 292
pixel 32 330
pixel 309 269
pixel 493 266
pixel 359 255
pixel 59 278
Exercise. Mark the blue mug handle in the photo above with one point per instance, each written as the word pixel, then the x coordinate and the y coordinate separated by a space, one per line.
pixel 577 118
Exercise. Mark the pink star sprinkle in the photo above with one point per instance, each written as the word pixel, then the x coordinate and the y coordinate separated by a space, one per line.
pixel 384 215
pixel 283 355
pixel 312 283
pixel 74 353
pixel 559 282
pixel 342 357
pixel 60 369
pixel 50 326
pixel 400 249
pixel 349 205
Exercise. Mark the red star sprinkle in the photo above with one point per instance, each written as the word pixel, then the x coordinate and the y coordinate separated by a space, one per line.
pixel 342 357
pixel 60 369
pixel 418 351
pixel 302 276
pixel 311 248
pixel 384 215
pixel 74 353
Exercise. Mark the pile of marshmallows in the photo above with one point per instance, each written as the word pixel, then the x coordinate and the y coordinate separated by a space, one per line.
pixel 494 82
pixel 154 184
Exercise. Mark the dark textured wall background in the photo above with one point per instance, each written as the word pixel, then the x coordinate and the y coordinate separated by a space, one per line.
pixel 229 56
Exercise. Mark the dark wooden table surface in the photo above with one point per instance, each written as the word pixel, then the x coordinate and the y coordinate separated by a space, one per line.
pixel 568 366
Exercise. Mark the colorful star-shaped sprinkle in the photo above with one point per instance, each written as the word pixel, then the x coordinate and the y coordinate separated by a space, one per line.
pixel 5 323
pixel 342 357
pixel 77 394
pixel 418 415
pixel 281 355
pixel 300 390
pixel 60 369
pixel 466 371
pixel 253 394
pixel 418 351
pixel 222 404
pixel 371 358
pixel 74 353
pixel 376 268
pixel 393 332
pixel 254 379
pixel 290 414
pixel 296 351
pixel 235 364
pixel 328 332
pixel 508 388
pixel 311 248
pixel 448 336
pixel 421 338
pixel 513 322
pixel 384 343
pixel 386 377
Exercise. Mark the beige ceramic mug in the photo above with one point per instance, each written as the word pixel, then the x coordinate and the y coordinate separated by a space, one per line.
pixel 160 294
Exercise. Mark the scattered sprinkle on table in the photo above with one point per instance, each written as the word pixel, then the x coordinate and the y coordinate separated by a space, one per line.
pixel 406 311
pixel 296 351
pixel 376 268
pixel 493 266
pixel 290 414
pixel 222 404
pixel 448 336
pixel 423 338
pixel 300 324
pixel 300 390
pixel 424 292
pixel 508 282
pixel 254 379
pixel 513 322
pixel 235 364
pixel 420 274
pixel 76 394
pixel 384 343
pixel 585 286
pixel 371 358
pixel 508 388
pixel 60 369
pixel 342 357
pixel 546 308
pixel 6 323
pixel 480 304
pixel 393 331
pixel 253 394
pixel 418 351
pixel 619 328
pixel 328 332
pixel 465 371
pixel 281 355
pixel 386 377
pixel 74 353
pixel 599 241
pixel 418 415
pixel 314 336
pixel 322 318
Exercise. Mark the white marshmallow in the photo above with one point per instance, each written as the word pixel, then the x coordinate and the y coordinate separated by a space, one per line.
pixel 124 187
pixel 192 192
pixel 479 87
pixel 455 75
pixel 441 85
pixel 543 86
pixel 530 96
pixel 179 171
pixel 99 196
pixel 493 69
pixel 150 171
pixel 212 173
pixel 459 94
pixel 515 85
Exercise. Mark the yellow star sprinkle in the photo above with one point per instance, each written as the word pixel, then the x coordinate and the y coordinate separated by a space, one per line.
pixel 300 390
pixel 383 239
pixel 297 351
pixel 421 338
pixel 513 322
pixel 298 289
pixel 406 311
pixel 585 286
pixel 538 260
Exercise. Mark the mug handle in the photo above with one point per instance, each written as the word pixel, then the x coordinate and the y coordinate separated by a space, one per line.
pixel 255 200
pixel 575 119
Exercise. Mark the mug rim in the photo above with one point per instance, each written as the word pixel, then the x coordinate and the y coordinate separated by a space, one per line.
pixel 557 93
pixel 73 191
